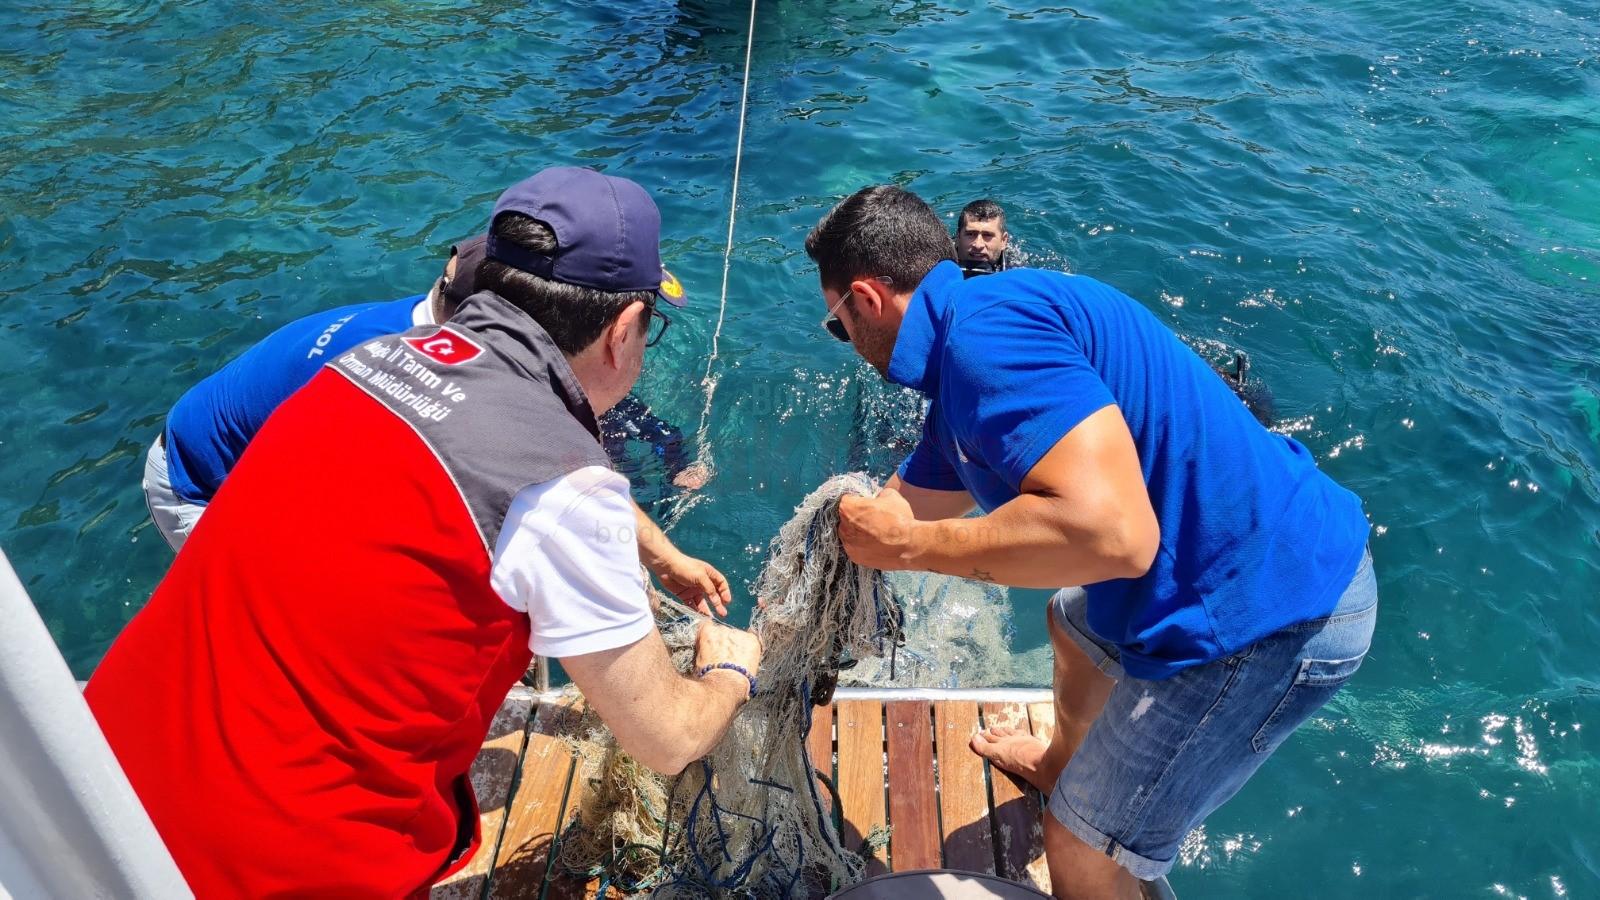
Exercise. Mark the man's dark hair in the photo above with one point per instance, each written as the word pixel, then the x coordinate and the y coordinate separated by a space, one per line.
pixel 574 316
pixel 879 230
pixel 981 211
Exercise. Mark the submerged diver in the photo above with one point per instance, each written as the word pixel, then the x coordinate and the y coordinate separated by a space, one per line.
pixel 885 423
pixel 632 422
pixel 1253 392
pixel 1229 593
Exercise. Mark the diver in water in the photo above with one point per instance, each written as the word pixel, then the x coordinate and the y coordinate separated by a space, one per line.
pixel 982 242
pixel 632 422
pixel 1253 392
pixel 885 426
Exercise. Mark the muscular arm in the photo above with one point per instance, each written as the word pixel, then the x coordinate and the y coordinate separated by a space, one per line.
pixel 1083 517
pixel 929 505
pixel 661 718
pixel 568 557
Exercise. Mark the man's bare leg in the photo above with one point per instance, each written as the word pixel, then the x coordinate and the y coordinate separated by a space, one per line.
pixel 1080 692
pixel 1077 870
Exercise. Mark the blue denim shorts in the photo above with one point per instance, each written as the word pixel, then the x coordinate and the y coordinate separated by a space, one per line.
pixel 1163 754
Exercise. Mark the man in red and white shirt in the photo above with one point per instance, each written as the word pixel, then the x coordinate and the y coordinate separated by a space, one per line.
pixel 299 702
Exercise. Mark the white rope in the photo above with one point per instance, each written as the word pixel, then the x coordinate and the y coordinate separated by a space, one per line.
pixel 709 382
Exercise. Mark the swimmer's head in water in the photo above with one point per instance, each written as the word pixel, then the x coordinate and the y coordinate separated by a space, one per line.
pixel 981 235
pixel 693 477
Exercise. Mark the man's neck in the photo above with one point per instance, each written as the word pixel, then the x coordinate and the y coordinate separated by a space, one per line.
pixel 597 382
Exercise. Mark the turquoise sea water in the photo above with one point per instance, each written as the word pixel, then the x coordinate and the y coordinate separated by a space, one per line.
pixel 1391 206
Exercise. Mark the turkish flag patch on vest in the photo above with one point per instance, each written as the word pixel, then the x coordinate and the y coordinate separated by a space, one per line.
pixel 446 346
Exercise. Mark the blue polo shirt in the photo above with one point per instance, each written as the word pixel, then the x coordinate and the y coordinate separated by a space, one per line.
pixel 1254 537
pixel 211 424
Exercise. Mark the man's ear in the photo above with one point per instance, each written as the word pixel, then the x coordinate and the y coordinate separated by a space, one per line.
pixel 873 295
pixel 624 327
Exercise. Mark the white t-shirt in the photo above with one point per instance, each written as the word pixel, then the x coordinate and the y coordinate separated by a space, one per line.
pixel 422 313
pixel 568 557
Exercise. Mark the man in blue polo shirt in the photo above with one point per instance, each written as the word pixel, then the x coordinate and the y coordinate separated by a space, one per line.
pixel 1228 590
pixel 210 426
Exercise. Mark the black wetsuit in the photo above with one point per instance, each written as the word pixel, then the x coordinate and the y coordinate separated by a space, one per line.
pixel 1253 392
pixel 976 267
pixel 631 422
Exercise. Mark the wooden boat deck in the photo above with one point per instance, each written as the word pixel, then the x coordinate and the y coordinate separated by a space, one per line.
pixel 903 763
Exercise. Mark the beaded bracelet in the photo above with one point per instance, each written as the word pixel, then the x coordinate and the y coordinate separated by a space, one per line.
pixel 733 667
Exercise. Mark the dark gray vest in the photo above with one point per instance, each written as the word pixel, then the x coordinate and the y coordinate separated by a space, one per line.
pixel 492 397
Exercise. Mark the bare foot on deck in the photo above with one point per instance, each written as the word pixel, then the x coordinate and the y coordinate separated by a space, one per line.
pixel 1016 751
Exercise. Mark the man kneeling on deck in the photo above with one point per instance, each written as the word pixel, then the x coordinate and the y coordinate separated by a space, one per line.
pixel 1229 593
pixel 299 702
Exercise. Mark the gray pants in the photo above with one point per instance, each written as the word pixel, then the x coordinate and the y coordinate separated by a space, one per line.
pixel 174 517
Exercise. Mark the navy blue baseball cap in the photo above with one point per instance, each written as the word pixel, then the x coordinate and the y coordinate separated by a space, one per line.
pixel 468 254
pixel 608 232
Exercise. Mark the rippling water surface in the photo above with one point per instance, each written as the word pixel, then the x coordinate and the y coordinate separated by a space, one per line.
pixel 1391 206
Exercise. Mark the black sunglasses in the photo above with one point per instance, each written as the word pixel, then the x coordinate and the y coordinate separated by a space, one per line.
pixel 834 324
pixel 655 331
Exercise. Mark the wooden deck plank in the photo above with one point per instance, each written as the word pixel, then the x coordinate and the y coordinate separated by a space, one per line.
pixel 1042 717
pixel 1019 832
pixel 563 886
pixel 531 827
pixel 819 746
pixel 913 802
pixel 493 773
pixel 963 796
pixel 861 779
pixel 940 811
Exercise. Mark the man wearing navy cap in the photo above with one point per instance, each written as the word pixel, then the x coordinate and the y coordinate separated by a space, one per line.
pixel 432 509
pixel 1229 593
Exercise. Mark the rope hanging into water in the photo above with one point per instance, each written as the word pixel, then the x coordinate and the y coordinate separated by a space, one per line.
pixel 709 380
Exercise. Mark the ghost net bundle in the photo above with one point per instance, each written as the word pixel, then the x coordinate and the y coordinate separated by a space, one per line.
pixel 749 820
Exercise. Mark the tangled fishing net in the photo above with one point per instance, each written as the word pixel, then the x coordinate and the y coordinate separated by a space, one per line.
pixel 749 820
